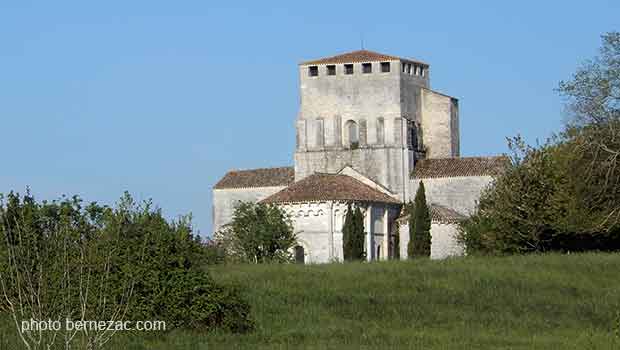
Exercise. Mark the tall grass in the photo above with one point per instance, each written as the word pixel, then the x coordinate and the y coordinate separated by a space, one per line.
pixel 521 302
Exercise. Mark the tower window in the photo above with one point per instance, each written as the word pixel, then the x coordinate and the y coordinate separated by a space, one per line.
pixel 313 71
pixel 380 131
pixel 351 135
pixel 422 71
pixel 366 68
pixel 348 69
pixel 331 70
pixel 385 67
pixel 409 68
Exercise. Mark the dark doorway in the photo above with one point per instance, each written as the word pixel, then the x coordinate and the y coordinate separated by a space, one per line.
pixel 300 255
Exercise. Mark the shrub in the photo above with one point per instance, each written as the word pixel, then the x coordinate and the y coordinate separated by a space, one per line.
pixel 129 260
pixel 258 233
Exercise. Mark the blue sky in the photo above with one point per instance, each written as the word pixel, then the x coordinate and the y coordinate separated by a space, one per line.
pixel 162 98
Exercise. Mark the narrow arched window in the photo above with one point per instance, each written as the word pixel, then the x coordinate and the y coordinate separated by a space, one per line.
pixel 413 137
pixel 319 133
pixel 351 134
pixel 380 131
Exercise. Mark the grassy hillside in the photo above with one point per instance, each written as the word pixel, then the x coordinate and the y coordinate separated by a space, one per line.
pixel 532 302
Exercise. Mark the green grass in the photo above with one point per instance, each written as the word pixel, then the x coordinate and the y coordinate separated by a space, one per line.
pixel 526 302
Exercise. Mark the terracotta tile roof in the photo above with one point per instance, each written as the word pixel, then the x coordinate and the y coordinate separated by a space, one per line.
pixel 445 215
pixel 329 187
pixel 452 167
pixel 358 56
pixel 266 177
pixel 439 214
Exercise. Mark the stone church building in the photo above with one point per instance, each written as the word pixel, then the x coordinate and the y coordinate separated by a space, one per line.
pixel 369 129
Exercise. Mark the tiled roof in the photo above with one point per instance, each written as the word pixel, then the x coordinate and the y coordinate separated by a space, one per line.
pixel 442 214
pixel 266 177
pixel 329 187
pixel 357 57
pixel 439 214
pixel 452 167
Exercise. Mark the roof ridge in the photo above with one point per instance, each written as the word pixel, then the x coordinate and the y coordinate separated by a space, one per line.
pixel 358 56
pixel 266 168
pixel 318 186
pixel 260 177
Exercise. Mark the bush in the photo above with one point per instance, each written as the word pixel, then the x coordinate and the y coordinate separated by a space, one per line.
pixel 141 265
pixel 258 233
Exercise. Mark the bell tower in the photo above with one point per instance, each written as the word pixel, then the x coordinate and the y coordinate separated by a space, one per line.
pixel 365 110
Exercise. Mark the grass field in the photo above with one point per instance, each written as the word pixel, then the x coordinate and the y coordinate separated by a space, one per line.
pixel 531 302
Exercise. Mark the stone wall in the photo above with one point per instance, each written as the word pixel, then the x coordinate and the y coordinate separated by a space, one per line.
pixel 225 200
pixel 440 126
pixel 444 241
pixel 389 167
pixel 318 226
pixel 458 193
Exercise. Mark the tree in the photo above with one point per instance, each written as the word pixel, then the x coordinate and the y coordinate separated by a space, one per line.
pixel 563 195
pixel 259 233
pixel 593 129
pixel 419 226
pixel 353 234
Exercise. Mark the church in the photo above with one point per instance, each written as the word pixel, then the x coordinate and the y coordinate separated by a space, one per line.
pixel 369 129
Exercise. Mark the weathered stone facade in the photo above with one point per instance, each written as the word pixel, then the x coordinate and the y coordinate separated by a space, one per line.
pixel 373 122
pixel 225 200
pixel 318 226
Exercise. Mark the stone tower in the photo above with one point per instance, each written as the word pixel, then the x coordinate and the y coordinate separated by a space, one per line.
pixel 375 113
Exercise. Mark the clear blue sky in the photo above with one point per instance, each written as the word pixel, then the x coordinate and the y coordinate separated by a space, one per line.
pixel 162 98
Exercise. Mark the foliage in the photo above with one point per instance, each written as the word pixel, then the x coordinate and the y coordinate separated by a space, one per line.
pixel 62 259
pixel 563 195
pixel 353 234
pixel 419 226
pixel 593 101
pixel 259 233
pixel 215 252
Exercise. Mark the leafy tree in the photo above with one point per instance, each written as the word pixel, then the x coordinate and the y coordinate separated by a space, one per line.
pixel 419 226
pixel 563 195
pixel 259 233
pixel 593 103
pixel 353 234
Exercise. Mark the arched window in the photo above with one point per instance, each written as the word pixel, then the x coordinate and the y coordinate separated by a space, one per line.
pixel 300 256
pixel 413 137
pixel 319 133
pixel 380 131
pixel 351 138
